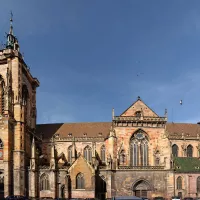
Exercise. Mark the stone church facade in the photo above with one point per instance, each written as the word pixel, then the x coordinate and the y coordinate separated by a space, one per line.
pixel 137 153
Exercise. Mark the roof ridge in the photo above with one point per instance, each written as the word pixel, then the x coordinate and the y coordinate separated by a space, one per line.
pixel 181 123
pixel 73 123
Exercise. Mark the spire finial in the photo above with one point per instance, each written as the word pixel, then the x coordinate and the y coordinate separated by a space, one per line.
pixel 33 141
pixel 113 113
pixel 11 23
pixel 165 112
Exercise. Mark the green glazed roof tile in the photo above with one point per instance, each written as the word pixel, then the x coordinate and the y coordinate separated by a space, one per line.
pixel 186 164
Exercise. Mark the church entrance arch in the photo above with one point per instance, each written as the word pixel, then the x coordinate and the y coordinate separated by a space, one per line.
pixel 141 188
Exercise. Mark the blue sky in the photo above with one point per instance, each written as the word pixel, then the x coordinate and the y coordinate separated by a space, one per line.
pixel 87 54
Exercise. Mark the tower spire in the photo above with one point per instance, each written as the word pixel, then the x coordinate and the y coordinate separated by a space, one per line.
pixel 12 42
pixel 11 24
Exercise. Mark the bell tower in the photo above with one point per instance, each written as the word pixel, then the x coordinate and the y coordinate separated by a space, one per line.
pixel 17 116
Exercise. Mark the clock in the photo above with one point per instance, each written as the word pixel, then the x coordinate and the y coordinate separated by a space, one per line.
pixel 140 136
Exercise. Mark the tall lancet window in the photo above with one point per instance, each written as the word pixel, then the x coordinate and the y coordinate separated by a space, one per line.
pixel 175 150
pixel 103 154
pixel 44 182
pixel 189 150
pixel 70 154
pixel 25 102
pixel 88 153
pixel 198 184
pixel 139 149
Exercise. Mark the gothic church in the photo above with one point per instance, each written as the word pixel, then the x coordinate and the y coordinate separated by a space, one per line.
pixel 137 153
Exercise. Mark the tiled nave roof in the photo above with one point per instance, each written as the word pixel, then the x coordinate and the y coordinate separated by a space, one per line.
pixel 96 129
pixel 189 130
pixel 92 129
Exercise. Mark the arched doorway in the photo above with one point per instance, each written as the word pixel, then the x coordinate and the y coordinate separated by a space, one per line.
pixel 141 188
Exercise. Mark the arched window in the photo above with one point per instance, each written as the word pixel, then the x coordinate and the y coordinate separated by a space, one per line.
pixel 157 161
pixel 139 149
pixel 1 180
pixel 80 182
pixel 103 154
pixel 88 153
pixel 122 157
pixel 70 154
pixel 175 150
pixel 198 184
pixel 26 103
pixel 179 183
pixel 1 150
pixel 44 182
pixel 189 150
pixel 1 144
pixel 25 95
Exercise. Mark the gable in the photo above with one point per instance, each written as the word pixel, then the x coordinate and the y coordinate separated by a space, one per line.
pixel 81 165
pixel 140 106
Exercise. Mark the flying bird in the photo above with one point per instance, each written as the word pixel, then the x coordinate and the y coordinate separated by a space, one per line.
pixel 181 102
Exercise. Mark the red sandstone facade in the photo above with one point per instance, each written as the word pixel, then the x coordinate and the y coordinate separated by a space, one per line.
pixel 137 153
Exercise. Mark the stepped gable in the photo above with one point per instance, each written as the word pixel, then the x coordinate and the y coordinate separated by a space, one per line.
pixel 92 129
pixel 189 130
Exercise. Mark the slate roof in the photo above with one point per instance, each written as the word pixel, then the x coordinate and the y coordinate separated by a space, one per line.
pixel 94 128
pixel 187 164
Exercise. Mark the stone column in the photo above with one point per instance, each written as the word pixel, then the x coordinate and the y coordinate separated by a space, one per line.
pixel 32 184
pixel 32 172
pixel 7 179
pixel 109 185
pixel 53 183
